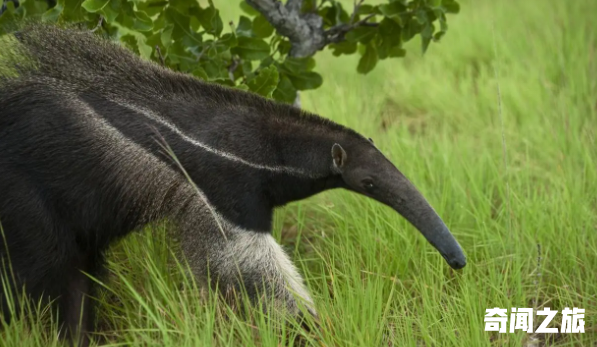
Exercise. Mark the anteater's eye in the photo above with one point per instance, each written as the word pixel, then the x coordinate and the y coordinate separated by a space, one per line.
pixel 368 184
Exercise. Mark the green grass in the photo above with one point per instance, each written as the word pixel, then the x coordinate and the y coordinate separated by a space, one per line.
pixel 513 174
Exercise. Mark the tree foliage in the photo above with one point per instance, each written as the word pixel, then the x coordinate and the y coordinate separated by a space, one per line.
pixel 247 53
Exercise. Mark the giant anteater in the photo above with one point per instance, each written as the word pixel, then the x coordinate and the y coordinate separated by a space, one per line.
pixel 83 124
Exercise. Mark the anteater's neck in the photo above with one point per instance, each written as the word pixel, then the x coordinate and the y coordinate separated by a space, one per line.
pixel 248 158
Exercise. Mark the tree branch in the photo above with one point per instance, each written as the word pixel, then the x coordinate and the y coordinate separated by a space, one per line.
pixel 357 5
pixel 336 34
pixel 294 5
pixel 159 53
pixel 305 30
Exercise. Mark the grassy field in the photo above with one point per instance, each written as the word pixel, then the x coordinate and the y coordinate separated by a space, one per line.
pixel 496 125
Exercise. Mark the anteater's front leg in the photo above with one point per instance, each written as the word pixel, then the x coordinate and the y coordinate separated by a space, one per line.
pixel 238 259
pixel 260 263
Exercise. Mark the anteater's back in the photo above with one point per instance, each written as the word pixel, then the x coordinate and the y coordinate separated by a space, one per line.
pixel 83 60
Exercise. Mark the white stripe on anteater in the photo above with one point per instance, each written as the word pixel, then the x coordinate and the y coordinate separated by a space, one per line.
pixel 226 155
pixel 84 107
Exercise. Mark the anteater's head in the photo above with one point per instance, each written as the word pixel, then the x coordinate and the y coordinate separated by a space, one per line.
pixel 365 170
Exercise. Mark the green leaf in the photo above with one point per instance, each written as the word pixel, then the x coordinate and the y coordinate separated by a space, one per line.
pixel 298 72
pixel 261 27
pixel 152 7
pixel 74 12
pixel 225 55
pixel 142 22
pixel 284 47
pixel 451 6
pixel 267 62
pixel 177 53
pixel 182 6
pixel 367 9
pixel 212 53
pixel 392 9
pixel 411 29
pixel 244 27
pixel 94 5
pixel 111 11
pixel 285 91
pixel 8 16
pixel 154 39
pixel 145 50
pixel 426 36
pixel 443 25
pixel 54 13
pixel 209 18
pixel 182 28
pixel 265 82
pixel 159 21
pixel 297 66
pixel 217 24
pixel 390 36
pixel 397 52
pixel 344 47
pixel 361 34
pixel 166 35
pixel 421 16
pixel 309 6
pixel 32 8
pixel 226 42
pixel 215 69
pixel 246 8
pixel 390 31
pixel 243 87
pixel 246 67
pixel 368 60
pixel 334 14
pixel 251 48
pixel 223 46
pixel 199 72
pixel 192 40
pixel 137 43
pixel 306 80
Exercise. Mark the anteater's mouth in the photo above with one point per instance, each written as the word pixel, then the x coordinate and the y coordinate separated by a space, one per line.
pixel 456 262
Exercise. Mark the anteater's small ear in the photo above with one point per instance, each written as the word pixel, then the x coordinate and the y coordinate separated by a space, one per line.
pixel 338 156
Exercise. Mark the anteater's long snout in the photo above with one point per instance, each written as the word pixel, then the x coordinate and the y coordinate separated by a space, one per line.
pixel 413 206
pixel 441 238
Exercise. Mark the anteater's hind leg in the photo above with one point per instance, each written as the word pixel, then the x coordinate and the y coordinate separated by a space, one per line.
pixel 54 274
pixel 43 259
pixel 253 259
pixel 75 304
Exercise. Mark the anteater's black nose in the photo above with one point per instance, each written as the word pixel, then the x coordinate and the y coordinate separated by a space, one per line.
pixel 456 262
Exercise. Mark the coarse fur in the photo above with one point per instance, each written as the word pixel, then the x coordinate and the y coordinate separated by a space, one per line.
pixel 83 124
